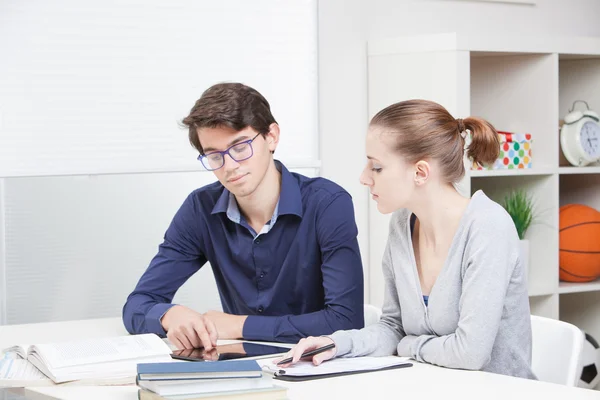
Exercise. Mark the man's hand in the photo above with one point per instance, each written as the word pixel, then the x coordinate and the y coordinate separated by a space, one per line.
pixel 228 326
pixel 188 329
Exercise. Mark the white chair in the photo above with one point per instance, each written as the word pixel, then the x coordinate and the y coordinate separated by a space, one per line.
pixel 556 352
pixel 372 314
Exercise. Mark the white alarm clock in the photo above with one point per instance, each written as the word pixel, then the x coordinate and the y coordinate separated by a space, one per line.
pixel 580 137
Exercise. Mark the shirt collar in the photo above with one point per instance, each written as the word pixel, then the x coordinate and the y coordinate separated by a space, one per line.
pixel 222 202
pixel 290 198
pixel 233 211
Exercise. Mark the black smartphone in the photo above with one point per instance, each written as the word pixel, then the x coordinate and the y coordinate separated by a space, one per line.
pixel 229 352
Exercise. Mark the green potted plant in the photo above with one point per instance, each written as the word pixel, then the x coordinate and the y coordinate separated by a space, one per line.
pixel 519 205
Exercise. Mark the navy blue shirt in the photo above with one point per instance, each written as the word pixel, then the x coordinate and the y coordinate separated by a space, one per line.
pixel 303 277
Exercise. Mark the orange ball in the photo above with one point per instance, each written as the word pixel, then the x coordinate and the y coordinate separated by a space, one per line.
pixel 579 243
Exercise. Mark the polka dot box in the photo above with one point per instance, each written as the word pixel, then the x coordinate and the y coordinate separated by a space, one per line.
pixel 515 152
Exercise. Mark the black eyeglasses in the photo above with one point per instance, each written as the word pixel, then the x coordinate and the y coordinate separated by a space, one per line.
pixel 238 152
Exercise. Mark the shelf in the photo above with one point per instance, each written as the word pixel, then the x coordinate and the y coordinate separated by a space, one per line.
pixel 569 47
pixel 568 287
pixel 511 172
pixel 540 293
pixel 578 170
pixel 535 171
pixel 519 83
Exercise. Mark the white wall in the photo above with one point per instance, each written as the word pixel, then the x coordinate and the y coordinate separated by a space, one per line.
pixel 343 105
pixel 284 37
pixel 389 18
pixel 344 29
pixel 99 86
pixel 77 245
pixel 93 163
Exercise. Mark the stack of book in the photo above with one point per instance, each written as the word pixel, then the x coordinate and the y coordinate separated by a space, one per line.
pixel 222 380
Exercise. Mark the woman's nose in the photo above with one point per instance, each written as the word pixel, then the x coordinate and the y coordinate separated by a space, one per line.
pixel 365 179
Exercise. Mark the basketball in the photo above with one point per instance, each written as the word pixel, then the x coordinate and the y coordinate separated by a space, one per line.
pixel 579 243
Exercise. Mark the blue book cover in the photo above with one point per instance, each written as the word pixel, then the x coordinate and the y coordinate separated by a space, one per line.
pixel 199 370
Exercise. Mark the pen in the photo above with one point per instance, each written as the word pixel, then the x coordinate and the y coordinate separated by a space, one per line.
pixel 309 353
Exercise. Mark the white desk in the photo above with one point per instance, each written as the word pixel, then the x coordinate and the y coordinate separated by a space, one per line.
pixel 421 381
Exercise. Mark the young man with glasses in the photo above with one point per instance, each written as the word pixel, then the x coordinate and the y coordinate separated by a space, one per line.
pixel 282 246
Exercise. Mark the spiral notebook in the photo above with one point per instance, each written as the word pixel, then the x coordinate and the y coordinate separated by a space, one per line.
pixel 306 370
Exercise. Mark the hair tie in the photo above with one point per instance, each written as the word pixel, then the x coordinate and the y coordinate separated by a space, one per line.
pixel 461 126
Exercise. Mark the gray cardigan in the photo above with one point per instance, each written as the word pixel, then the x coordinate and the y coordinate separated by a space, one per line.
pixel 478 315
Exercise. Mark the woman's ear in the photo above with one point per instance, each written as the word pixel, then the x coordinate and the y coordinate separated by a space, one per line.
pixel 421 172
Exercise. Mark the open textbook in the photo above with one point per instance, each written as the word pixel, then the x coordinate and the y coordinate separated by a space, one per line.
pixel 110 360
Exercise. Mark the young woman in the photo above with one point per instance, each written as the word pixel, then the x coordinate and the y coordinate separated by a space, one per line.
pixel 455 288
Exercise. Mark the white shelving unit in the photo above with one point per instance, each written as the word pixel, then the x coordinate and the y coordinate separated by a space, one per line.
pixel 512 172
pixel 520 84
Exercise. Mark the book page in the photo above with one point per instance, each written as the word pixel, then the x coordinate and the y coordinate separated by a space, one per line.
pixel 99 350
pixel 19 349
pixel 304 368
pixel 19 373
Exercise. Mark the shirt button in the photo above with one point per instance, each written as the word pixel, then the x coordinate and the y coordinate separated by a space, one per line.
pixel 262 274
pixel 257 241
pixel 261 309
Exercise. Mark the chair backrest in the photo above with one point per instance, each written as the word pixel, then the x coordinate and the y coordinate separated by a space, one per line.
pixel 556 353
pixel 372 314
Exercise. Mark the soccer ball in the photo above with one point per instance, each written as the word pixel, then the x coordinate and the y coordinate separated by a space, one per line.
pixel 590 357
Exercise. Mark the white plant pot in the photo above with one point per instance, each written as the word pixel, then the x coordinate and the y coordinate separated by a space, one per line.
pixel 524 255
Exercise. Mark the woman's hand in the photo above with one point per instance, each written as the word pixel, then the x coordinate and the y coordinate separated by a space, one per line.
pixel 308 344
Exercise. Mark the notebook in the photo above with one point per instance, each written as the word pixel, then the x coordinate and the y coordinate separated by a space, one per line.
pixel 306 370
pixel 199 370
pixel 110 360
pixel 200 386
pixel 270 393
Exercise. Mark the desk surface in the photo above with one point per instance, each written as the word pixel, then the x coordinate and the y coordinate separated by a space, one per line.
pixel 422 380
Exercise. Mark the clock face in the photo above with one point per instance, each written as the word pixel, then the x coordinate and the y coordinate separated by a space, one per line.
pixel 590 139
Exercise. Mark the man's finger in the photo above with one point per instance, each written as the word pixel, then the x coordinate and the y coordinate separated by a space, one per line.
pixel 193 337
pixel 175 342
pixel 183 338
pixel 212 331
pixel 211 355
pixel 202 333
pixel 191 340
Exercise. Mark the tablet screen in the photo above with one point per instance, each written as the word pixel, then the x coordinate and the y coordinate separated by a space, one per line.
pixel 229 352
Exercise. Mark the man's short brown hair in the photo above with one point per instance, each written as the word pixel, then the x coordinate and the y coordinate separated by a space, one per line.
pixel 233 105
